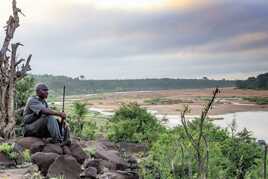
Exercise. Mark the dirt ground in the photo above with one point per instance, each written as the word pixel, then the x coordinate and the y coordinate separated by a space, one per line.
pixel 12 173
pixel 229 100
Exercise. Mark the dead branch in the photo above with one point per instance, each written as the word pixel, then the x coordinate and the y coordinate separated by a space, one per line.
pixel 12 24
pixel 196 143
pixel 19 62
pixel 24 69
pixel 185 126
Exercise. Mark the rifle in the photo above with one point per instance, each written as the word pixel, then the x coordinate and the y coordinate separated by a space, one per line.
pixel 63 102
pixel 63 98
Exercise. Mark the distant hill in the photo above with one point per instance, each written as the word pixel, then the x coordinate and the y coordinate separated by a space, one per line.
pixel 79 86
pixel 259 82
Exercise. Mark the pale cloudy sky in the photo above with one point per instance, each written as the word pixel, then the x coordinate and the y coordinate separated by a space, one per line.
pixel 120 39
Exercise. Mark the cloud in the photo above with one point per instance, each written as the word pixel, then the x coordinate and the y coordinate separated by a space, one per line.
pixel 196 36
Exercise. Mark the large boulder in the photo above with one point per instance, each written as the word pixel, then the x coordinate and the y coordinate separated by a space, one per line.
pixel 133 147
pixel 106 145
pixel 27 142
pixel 111 156
pixel 53 148
pixel 66 150
pixel 96 163
pixel 37 147
pixel 89 172
pixel 78 153
pixel 44 160
pixel 100 164
pixel 65 166
pixel 5 162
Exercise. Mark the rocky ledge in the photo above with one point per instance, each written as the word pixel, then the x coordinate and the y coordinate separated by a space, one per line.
pixel 82 159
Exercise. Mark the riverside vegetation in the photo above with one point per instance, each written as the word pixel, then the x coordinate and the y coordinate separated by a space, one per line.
pixel 226 153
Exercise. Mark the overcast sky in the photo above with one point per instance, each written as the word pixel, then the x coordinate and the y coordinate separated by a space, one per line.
pixel 122 39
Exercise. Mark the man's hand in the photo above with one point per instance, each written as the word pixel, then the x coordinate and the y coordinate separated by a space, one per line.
pixel 62 115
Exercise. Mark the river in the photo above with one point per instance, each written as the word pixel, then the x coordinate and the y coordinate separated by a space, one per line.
pixel 256 121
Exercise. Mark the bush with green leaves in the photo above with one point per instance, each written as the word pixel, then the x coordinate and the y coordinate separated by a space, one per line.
pixel 79 125
pixel 8 150
pixel 243 153
pixel 80 111
pixel 172 156
pixel 89 130
pixel 132 123
pixel 26 154
pixel 257 100
pixel 24 89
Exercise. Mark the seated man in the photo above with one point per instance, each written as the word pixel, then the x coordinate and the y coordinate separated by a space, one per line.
pixel 39 120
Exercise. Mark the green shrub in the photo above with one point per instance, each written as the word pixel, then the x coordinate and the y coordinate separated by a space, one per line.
pixel 26 155
pixel 257 100
pixel 165 101
pixel 79 125
pixel 164 158
pixel 86 129
pixel 24 89
pixel 132 123
pixel 89 130
pixel 7 149
pixel 230 156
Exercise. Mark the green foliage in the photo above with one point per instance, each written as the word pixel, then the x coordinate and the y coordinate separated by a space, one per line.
pixel 89 130
pixel 132 123
pixel 26 154
pixel 259 82
pixel 24 89
pixel 165 101
pixel 166 158
pixel 78 125
pixel 257 100
pixel 242 152
pixel 80 110
pixel 7 149
pixel 171 155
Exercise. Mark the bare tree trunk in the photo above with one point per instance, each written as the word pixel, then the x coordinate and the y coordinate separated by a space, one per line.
pixel 10 72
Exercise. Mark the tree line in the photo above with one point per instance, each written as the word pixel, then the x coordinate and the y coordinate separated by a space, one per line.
pixel 81 86
pixel 259 82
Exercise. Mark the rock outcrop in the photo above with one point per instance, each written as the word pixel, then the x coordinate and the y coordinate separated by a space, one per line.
pixel 105 161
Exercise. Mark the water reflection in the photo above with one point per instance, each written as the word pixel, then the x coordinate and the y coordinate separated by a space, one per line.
pixel 257 122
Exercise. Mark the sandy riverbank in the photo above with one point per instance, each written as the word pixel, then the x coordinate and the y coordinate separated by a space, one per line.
pixel 229 100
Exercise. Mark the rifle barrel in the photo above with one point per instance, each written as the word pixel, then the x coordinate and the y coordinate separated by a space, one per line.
pixel 63 98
